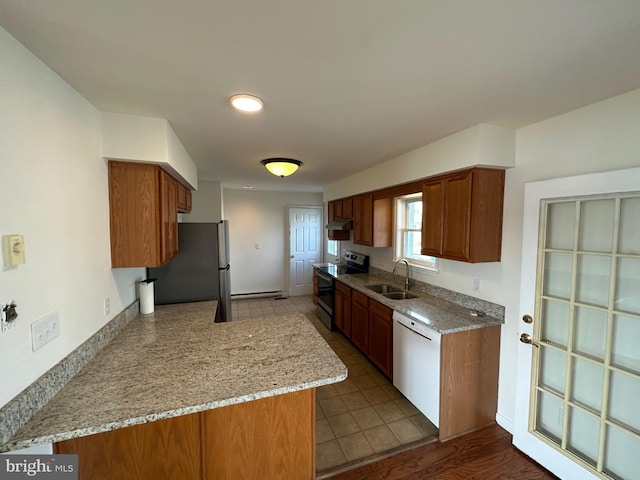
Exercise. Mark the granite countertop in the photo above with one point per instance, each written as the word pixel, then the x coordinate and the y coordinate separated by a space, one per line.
pixel 176 361
pixel 436 313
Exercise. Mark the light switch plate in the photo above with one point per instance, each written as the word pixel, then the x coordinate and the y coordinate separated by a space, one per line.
pixel 13 250
pixel 44 330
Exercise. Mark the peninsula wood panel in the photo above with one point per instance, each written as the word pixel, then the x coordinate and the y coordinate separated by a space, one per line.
pixel 271 438
pixel 162 450
pixel 469 380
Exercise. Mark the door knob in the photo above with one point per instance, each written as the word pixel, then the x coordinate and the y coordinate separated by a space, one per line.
pixel 526 338
pixel 527 319
pixel 293 256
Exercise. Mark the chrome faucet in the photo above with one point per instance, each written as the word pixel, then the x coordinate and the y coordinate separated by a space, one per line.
pixel 406 269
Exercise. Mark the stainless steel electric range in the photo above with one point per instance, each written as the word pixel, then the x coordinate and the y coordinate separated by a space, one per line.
pixel 354 263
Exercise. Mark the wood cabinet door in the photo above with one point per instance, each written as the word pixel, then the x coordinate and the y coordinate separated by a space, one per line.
pixel 457 216
pixel 162 450
pixel 338 209
pixel 342 313
pixel 363 220
pixel 360 322
pixel 134 203
pixel 347 208
pixel 168 217
pixel 184 199
pixel 381 337
pixel 432 217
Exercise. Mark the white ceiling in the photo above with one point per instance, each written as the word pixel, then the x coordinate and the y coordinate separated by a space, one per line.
pixel 346 84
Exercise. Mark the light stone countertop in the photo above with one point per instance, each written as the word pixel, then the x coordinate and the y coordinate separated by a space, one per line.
pixel 436 313
pixel 176 361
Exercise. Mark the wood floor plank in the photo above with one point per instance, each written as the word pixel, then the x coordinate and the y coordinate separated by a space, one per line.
pixel 487 454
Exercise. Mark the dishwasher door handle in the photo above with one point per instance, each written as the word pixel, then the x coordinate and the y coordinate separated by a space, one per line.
pixel 413 331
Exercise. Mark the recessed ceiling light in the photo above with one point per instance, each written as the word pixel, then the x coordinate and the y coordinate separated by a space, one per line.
pixel 246 103
pixel 248 187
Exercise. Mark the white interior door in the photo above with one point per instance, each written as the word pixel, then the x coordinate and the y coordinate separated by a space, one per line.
pixel 579 379
pixel 305 247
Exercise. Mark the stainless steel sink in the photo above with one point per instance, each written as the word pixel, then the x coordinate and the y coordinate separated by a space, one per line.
pixel 383 288
pixel 400 295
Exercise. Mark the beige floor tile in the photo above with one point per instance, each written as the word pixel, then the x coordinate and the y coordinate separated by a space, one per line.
pixel 355 446
pixel 376 395
pixel 392 392
pixel 427 428
pixel 355 401
pixel 405 431
pixel 329 455
pixel 319 412
pixel 407 407
pixel 333 406
pixel 326 391
pixel 324 432
pixel 389 412
pixel 365 381
pixel 379 378
pixel 343 425
pixel 381 438
pixel 357 370
pixel 367 418
pixel 347 386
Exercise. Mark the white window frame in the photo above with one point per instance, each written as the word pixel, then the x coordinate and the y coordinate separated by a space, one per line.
pixel 332 247
pixel 431 267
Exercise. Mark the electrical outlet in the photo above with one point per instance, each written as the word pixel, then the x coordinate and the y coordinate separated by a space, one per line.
pixel 107 306
pixel 45 330
pixel 476 284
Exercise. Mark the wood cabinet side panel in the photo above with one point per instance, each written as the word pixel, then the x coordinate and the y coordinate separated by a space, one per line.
pixel 134 217
pixel 486 215
pixel 161 450
pixel 469 380
pixel 270 438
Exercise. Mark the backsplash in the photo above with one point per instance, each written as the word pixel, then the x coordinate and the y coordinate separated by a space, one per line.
pixel 491 309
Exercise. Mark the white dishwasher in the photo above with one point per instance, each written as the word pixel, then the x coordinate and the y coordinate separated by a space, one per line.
pixel 416 365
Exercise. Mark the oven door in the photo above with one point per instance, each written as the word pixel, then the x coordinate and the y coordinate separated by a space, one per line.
pixel 325 298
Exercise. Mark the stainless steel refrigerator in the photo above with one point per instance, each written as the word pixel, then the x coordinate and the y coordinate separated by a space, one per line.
pixel 200 271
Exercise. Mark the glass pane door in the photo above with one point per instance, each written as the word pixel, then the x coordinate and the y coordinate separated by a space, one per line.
pixel 586 378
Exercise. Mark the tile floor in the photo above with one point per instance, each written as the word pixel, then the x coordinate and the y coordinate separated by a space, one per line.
pixel 360 418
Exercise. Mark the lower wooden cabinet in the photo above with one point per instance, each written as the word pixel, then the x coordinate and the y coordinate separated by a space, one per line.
pixel 381 337
pixel 270 438
pixel 367 323
pixel 342 308
pixel 360 321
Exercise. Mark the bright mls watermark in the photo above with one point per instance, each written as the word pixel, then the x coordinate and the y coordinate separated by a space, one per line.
pixel 52 467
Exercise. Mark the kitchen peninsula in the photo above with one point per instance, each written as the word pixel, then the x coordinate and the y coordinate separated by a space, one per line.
pixel 176 396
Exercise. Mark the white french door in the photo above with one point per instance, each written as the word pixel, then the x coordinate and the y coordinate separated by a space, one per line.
pixel 578 380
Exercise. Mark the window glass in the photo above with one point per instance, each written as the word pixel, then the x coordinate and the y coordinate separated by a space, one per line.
pixel 409 232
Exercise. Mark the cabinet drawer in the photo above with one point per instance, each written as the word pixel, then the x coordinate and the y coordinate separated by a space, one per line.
pixel 342 288
pixel 360 298
pixel 382 310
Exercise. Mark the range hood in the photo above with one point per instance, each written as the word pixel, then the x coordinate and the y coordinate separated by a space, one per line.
pixel 340 225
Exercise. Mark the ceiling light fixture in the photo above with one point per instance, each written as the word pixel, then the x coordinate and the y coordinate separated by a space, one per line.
pixel 246 103
pixel 282 167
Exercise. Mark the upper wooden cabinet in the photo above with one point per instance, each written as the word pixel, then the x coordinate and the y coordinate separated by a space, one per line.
pixel 462 215
pixel 184 199
pixel 372 221
pixel 143 215
pixel 332 209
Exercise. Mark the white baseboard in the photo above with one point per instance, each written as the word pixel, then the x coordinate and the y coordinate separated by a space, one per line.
pixel 505 423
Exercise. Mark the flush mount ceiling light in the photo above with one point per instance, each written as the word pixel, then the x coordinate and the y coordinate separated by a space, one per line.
pixel 246 103
pixel 282 167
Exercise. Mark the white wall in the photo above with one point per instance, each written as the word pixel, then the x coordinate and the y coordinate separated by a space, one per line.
pixel 599 137
pixel 260 217
pixel 55 193
pixel 483 144
pixel 206 203
pixel 147 139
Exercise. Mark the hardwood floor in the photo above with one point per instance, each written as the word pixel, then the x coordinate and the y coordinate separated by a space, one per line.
pixel 483 455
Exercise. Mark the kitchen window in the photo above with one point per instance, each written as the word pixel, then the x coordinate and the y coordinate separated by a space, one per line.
pixel 409 233
pixel 332 247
